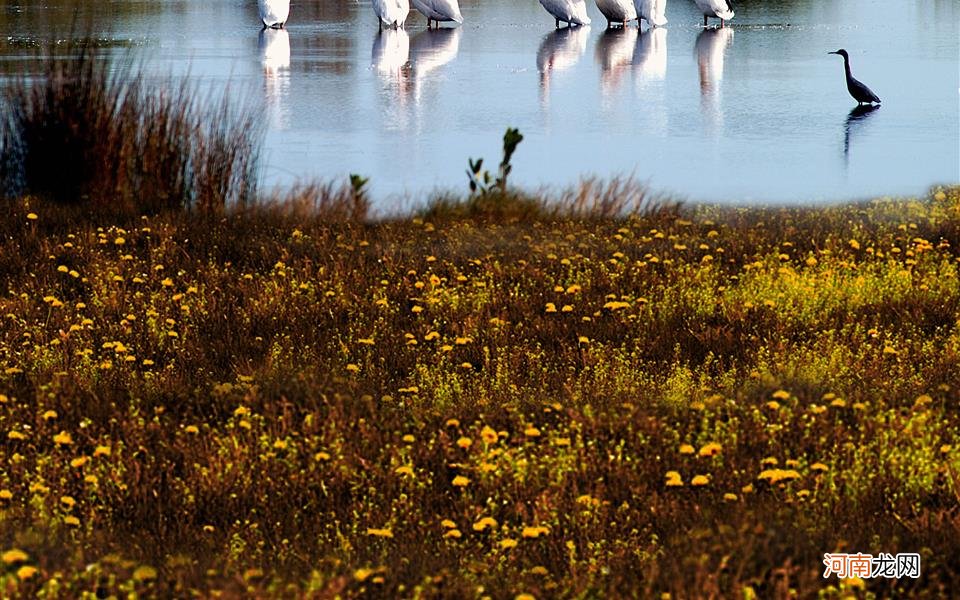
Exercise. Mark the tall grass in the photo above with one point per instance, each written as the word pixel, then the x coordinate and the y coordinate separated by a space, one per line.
pixel 90 133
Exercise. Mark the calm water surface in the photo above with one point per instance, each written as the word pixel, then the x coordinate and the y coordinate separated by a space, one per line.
pixel 755 112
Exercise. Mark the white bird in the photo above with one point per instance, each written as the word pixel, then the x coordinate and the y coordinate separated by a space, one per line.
pixel 651 11
pixel 439 10
pixel 617 11
pixel 391 13
pixel 274 13
pixel 721 9
pixel 571 12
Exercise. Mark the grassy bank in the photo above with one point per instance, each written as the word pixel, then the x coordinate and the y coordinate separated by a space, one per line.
pixel 281 403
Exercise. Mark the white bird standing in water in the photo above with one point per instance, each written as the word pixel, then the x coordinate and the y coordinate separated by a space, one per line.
pixel 721 9
pixel 651 11
pixel 439 10
pixel 274 13
pixel 391 13
pixel 617 11
pixel 571 12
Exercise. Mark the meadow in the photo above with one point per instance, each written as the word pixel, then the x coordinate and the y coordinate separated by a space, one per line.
pixel 500 395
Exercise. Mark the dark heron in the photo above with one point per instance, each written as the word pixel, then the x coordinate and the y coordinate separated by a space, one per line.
pixel 860 92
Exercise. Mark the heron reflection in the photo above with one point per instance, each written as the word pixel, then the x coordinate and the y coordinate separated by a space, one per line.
pixel 559 50
pixel 855 121
pixel 614 54
pixel 274 46
pixel 710 48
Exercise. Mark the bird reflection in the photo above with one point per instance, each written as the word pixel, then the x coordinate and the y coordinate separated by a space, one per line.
pixel 857 117
pixel 559 50
pixel 710 47
pixel 614 53
pixel 274 45
pixel 391 59
pixel 650 55
pixel 430 50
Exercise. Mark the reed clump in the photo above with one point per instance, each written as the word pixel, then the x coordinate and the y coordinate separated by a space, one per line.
pixel 95 134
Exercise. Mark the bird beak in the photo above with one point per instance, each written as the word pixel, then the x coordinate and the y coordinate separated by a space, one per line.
pixel 833 53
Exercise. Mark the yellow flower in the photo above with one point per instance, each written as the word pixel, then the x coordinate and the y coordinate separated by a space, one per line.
pixel 453 423
pixel 72 521
pixel 461 481
pixel 79 461
pixel 730 497
pixel 49 415
pixel 362 574
pixel 192 429
pixel 674 479
pixel 488 434
pixel 524 597
pixel 686 449
pixel 63 439
pixel 384 533
pixel 13 556
pixel 26 572
pixel 699 480
pixel 778 475
pixel 404 470
pixel 67 501
pixel 464 442
pixel 353 368
pixel 409 439
pixel 551 307
pixel 531 431
pixel 484 523
pixel 144 573
pixel 448 524
pixel 508 543
pixel 819 467
pixel 534 532
pixel 6 495
pixel 453 533
pixel 711 449
pixel 781 395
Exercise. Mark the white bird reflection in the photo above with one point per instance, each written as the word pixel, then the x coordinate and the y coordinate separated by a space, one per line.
pixel 614 54
pixel 559 50
pixel 391 59
pixel 710 47
pixel 430 50
pixel 650 55
pixel 274 45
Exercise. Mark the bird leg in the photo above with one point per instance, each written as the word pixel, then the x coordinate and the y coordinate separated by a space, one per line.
pixel 558 23
pixel 704 20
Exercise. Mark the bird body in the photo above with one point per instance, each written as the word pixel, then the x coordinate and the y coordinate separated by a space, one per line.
pixel 617 11
pixel 274 13
pixel 651 11
pixel 571 12
pixel 860 92
pixel 392 13
pixel 721 9
pixel 439 10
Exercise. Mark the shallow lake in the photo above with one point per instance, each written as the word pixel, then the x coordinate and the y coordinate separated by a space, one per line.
pixel 754 112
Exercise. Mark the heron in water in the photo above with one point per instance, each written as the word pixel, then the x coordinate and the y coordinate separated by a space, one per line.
pixel 860 92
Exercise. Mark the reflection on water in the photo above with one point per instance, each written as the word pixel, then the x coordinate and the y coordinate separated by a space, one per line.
pixel 430 50
pixel 710 47
pixel 855 121
pixel 274 45
pixel 559 50
pixel 614 55
pixel 650 55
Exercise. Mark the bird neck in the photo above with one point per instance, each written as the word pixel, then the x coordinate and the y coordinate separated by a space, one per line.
pixel 846 65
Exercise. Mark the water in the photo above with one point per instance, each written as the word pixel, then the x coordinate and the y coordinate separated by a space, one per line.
pixel 756 112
